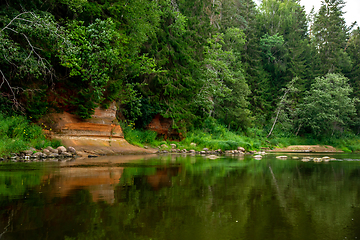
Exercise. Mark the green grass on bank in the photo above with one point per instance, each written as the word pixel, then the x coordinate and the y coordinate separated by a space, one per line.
pixel 18 134
pixel 215 136
pixel 137 137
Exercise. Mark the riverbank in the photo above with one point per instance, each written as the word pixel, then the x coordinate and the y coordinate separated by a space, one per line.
pixel 306 148
pixel 18 134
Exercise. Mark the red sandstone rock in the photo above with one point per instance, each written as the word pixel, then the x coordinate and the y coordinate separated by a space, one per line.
pixel 163 127
pixel 98 135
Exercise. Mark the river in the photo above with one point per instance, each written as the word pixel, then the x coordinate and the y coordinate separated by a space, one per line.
pixel 182 197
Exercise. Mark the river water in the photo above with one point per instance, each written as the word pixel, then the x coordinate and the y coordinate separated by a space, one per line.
pixel 182 197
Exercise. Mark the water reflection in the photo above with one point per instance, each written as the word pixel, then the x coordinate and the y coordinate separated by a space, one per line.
pixel 181 197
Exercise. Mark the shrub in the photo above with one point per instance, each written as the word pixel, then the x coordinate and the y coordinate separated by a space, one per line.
pixel 18 134
pixel 138 137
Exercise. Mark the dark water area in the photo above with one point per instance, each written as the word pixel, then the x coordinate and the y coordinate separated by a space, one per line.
pixel 182 197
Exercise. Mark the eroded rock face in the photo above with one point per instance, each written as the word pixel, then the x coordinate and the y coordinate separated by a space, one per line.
pixel 98 135
pixel 92 129
pixel 163 127
pixel 101 124
pixel 104 116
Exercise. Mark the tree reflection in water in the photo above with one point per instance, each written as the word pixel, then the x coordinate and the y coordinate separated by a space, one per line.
pixel 184 198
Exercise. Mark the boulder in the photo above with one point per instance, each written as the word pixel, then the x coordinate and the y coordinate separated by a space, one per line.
pixel 52 150
pixel 71 150
pixel 61 149
pixel 193 144
pixel 173 146
pixel 191 151
pixel 65 154
pixel 164 146
pixel 28 152
pixel 49 148
pixel 53 155
pixel 205 149
pixel 241 149
pixel 46 151
pixel 36 155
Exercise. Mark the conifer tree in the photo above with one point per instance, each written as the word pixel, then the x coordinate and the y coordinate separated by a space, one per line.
pixel 243 15
pixel 353 50
pixel 330 35
pixel 285 46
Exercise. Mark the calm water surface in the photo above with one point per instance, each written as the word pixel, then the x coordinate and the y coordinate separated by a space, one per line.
pixel 181 197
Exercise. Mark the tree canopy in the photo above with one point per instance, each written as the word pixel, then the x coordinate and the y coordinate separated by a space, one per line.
pixel 186 60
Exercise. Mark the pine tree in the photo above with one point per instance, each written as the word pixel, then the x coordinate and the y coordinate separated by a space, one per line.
pixel 353 50
pixel 330 36
pixel 285 46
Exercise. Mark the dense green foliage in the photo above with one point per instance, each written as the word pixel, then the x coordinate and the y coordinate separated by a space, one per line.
pixel 18 134
pixel 244 66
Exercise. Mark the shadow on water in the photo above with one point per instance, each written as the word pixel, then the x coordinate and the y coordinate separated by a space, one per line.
pixel 182 197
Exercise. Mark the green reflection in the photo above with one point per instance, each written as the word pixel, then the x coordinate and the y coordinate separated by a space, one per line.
pixel 17 178
pixel 198 198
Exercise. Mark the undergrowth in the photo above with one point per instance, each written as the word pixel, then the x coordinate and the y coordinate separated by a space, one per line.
pixel 139 137
pixel 18 134
pixel 215 136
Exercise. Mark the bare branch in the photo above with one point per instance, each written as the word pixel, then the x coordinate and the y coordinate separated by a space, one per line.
pixel 19 25
pixel 10 61
pixel 15 18
pixel 281 103
pixel 13 99
pixel 13 30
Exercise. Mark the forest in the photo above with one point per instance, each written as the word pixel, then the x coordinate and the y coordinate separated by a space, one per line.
pixel 269 70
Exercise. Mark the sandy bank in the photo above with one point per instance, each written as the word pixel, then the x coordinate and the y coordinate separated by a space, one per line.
pixel 306 148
